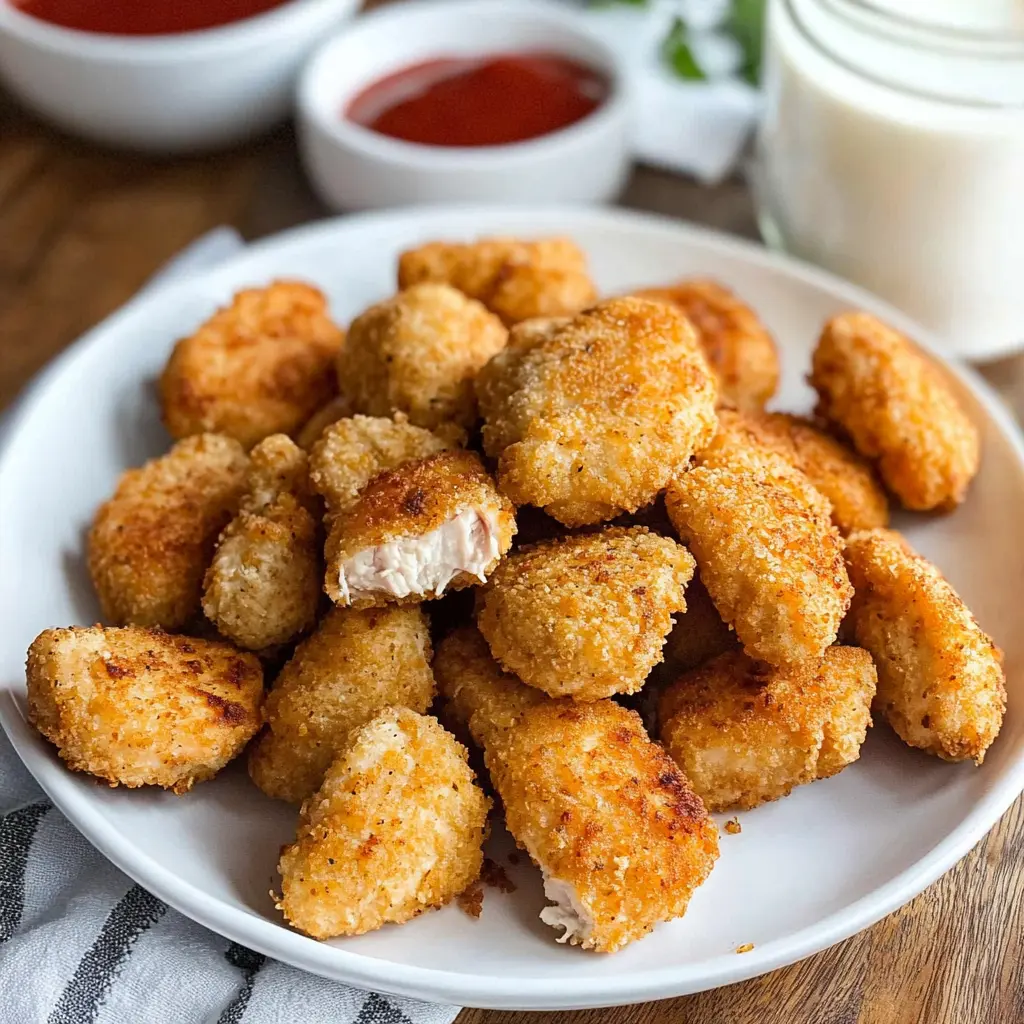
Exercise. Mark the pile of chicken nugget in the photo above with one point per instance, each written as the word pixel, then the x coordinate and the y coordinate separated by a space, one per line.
pixel 502 500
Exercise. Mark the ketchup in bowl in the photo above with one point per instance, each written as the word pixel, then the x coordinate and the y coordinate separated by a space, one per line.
pixel 480 101
pixel 143 17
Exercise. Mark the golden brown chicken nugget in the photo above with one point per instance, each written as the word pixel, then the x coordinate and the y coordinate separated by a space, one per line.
pixel 585 616
pixel 767 552
pixel 745 733
pixel 263 585
pixel 699 634
pixel 336 409
pixel 353 450
pixel 596 417
pixel 893 403
pixel 261 366
pixel 415 532
pixel 138 707
pixel 418 353
pixel 737 346
pixel 150 543
pixel 840 474
pixel 940 677
pixel 355 664
pixel 397 828
pixel 517 280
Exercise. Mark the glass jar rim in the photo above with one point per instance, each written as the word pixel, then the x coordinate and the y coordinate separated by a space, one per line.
pixel 955 35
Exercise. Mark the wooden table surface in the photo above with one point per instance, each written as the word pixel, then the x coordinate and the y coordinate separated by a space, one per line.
pixel 81 229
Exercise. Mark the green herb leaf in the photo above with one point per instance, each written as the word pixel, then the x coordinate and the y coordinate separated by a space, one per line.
pixel 612 3
pixel 676 53
pixel 745 23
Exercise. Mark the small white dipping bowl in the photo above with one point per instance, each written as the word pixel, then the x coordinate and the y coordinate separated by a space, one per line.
pixel 168 93
pixel 354 168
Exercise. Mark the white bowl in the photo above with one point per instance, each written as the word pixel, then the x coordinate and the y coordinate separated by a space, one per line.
pixel 354 168
pixel 171 93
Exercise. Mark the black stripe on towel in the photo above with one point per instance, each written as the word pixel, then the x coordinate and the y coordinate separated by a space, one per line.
pixel 377 1010
pixel 17 830
pixel 249 963
pixel 81 1000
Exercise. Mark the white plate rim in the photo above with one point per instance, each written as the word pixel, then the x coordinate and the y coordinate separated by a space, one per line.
pixel 498 991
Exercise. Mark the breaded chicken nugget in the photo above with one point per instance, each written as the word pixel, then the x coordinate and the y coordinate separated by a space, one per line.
pixel 875 386
pixel 428 526
pixel 397 828
pixel 418 353
pixel 767 552
pixel 355 664
pixel 605 814
pixel 151 542
pixel 745 733
pixel 737 346
pixel 263 586
pixel 518 280
pixel 585 616
pixel 138 707
pixel 336 409
pixel 352 451
pixel 699 634
pixel 857 499
pixel 261 366
pixel 940 678
pixel 594 418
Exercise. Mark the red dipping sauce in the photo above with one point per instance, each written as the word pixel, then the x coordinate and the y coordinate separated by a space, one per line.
pixel 143 17
pixel 480 101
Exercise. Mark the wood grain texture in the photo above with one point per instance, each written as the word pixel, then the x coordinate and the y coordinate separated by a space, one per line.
pixel 81 229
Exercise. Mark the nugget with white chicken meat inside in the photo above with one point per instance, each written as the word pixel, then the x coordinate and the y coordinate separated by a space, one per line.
pixel 263 586
pixel 516 279
pixel 767 552
pixel 585 616
pixel 940 677
pixel 745 733
pixel 353 450
pixel 396 828
pixel 595 416
pixel 840 474
pixel 355 664
pixel 417 531
pixel 699 634
pixel 737 346
pixel 139 707
pixel 877 388
pixel 150 543
pixel 418 353
pixel 261 366
pixel 619 835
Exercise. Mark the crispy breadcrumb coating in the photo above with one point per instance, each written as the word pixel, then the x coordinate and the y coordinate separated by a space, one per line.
pixel 745 733
pixel 737 346
pixel 418 353
pixel 515 279
pixel 352 451
pixel 261 366
pixel 940 677
pixel 415 532
pixel 355 664
pixel 263 586
pixel 336 409
pixel 397 828
pixel 699 633
pixel 138 707
pixel 840 474
pixel 767 552
pixel 151 542
pixel 585 616
pixel 894 404
pixel 594 418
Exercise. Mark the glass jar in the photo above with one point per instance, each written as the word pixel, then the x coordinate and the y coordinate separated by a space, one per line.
pixel 892 152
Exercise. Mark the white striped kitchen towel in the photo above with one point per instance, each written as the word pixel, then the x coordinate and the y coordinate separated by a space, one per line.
pixel 80 943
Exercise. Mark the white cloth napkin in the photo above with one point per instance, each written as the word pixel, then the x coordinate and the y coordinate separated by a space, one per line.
pixel 80 943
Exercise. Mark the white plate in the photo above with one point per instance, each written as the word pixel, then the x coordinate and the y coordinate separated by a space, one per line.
pixel 806 871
